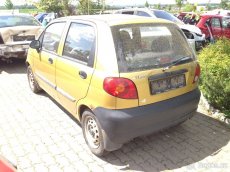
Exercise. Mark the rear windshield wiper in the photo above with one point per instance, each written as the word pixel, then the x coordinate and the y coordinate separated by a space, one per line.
pixel 176 62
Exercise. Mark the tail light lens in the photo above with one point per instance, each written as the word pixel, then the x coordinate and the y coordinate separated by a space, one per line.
pixel 197 73
pixel 120 87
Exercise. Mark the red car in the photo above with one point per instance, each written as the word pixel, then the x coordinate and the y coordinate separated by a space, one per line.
pixel 214 26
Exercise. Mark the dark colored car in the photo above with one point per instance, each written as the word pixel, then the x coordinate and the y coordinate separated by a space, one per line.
pixel 41 16
pixel 215 26
pixel 189 17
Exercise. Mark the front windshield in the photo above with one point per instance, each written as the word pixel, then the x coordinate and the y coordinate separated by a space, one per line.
pixel 11 21
pixel 167 16
pixel 148 46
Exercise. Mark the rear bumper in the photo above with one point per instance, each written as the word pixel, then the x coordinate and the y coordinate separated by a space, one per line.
pixel 123 125
pixel 14 51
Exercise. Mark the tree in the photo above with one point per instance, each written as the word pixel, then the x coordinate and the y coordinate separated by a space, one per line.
pixel 57 6
pixel 146 4
pixel 170 7
pixel 90 7
pixel 50 5
pixel 159 6
pixel 8 4
pixel 224 4
pixel 179 3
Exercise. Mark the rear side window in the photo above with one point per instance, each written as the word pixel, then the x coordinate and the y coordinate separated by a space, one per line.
pixel 79 43
pixel 215 22
pixel 149 46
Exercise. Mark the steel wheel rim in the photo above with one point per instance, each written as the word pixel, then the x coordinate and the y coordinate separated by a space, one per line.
pixel 92 132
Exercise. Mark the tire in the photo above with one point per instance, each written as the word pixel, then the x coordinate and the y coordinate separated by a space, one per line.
pixel 92 133
pixel 32 81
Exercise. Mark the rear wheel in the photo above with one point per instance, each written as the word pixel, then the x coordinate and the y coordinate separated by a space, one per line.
pixel 32 81
pixel 92 133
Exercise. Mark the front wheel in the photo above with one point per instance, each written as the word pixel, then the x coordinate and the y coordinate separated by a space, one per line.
pixel 32 81
pixel 92 133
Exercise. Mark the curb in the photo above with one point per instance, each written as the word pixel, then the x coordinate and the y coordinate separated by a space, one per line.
pixel 215 113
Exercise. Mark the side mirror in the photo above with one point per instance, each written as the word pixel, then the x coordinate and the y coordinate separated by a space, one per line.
pixel 35 44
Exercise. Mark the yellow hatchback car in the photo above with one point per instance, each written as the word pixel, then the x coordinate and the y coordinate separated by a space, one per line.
pixel 121 76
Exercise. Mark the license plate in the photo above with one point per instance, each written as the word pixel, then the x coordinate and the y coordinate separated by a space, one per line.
pixel 23 38
pixel 166 84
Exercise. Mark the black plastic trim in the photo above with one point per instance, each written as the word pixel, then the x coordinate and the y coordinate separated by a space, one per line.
pixel 123 125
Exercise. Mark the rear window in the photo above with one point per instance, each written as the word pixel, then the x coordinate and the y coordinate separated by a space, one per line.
pixel 11 21
pixel 143 47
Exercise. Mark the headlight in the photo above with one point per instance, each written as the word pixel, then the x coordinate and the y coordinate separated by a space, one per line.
pixel 188 34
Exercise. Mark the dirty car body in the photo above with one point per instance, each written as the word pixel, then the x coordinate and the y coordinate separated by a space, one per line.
pixel 16 33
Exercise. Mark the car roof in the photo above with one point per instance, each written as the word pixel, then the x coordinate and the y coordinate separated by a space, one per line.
pixel 213 15
pixel 114 19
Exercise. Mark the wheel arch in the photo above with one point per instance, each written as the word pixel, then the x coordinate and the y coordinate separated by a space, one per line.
pixel 81 109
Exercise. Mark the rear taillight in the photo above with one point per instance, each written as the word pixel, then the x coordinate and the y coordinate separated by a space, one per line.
pixel 120 87
pixel 197 73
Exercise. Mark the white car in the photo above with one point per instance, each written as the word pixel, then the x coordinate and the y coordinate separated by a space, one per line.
pixel 195 37
pixel 16 33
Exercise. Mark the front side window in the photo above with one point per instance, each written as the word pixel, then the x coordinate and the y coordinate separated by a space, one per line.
pixel 79 42
pixel 52 37
pixel 215 22
pixel 148 46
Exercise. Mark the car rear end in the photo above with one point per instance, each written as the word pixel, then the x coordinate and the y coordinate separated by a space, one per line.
pixel 16 33
pixel 157 82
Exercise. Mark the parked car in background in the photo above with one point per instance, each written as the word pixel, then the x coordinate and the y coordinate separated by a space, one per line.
pixel 50 16
pixel 189 17
pixel 193 33
pixel 215 25
pixel 41 16
pixel 16 33
pixel 122 76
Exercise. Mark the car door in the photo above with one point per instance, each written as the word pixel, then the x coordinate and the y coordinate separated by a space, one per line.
pixel 216 27
pixel 45 60
pixel 74 68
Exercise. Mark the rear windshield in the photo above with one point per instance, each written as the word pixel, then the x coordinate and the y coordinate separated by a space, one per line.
pixel 143 47
pixel 11 21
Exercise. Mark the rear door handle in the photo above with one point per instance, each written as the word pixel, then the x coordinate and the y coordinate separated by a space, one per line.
pixel 50 61
pixel 82 74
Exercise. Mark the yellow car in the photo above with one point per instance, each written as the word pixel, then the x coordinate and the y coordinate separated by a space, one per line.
pixel 121 76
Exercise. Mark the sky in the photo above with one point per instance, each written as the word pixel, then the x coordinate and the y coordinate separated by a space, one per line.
pixel 123 2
